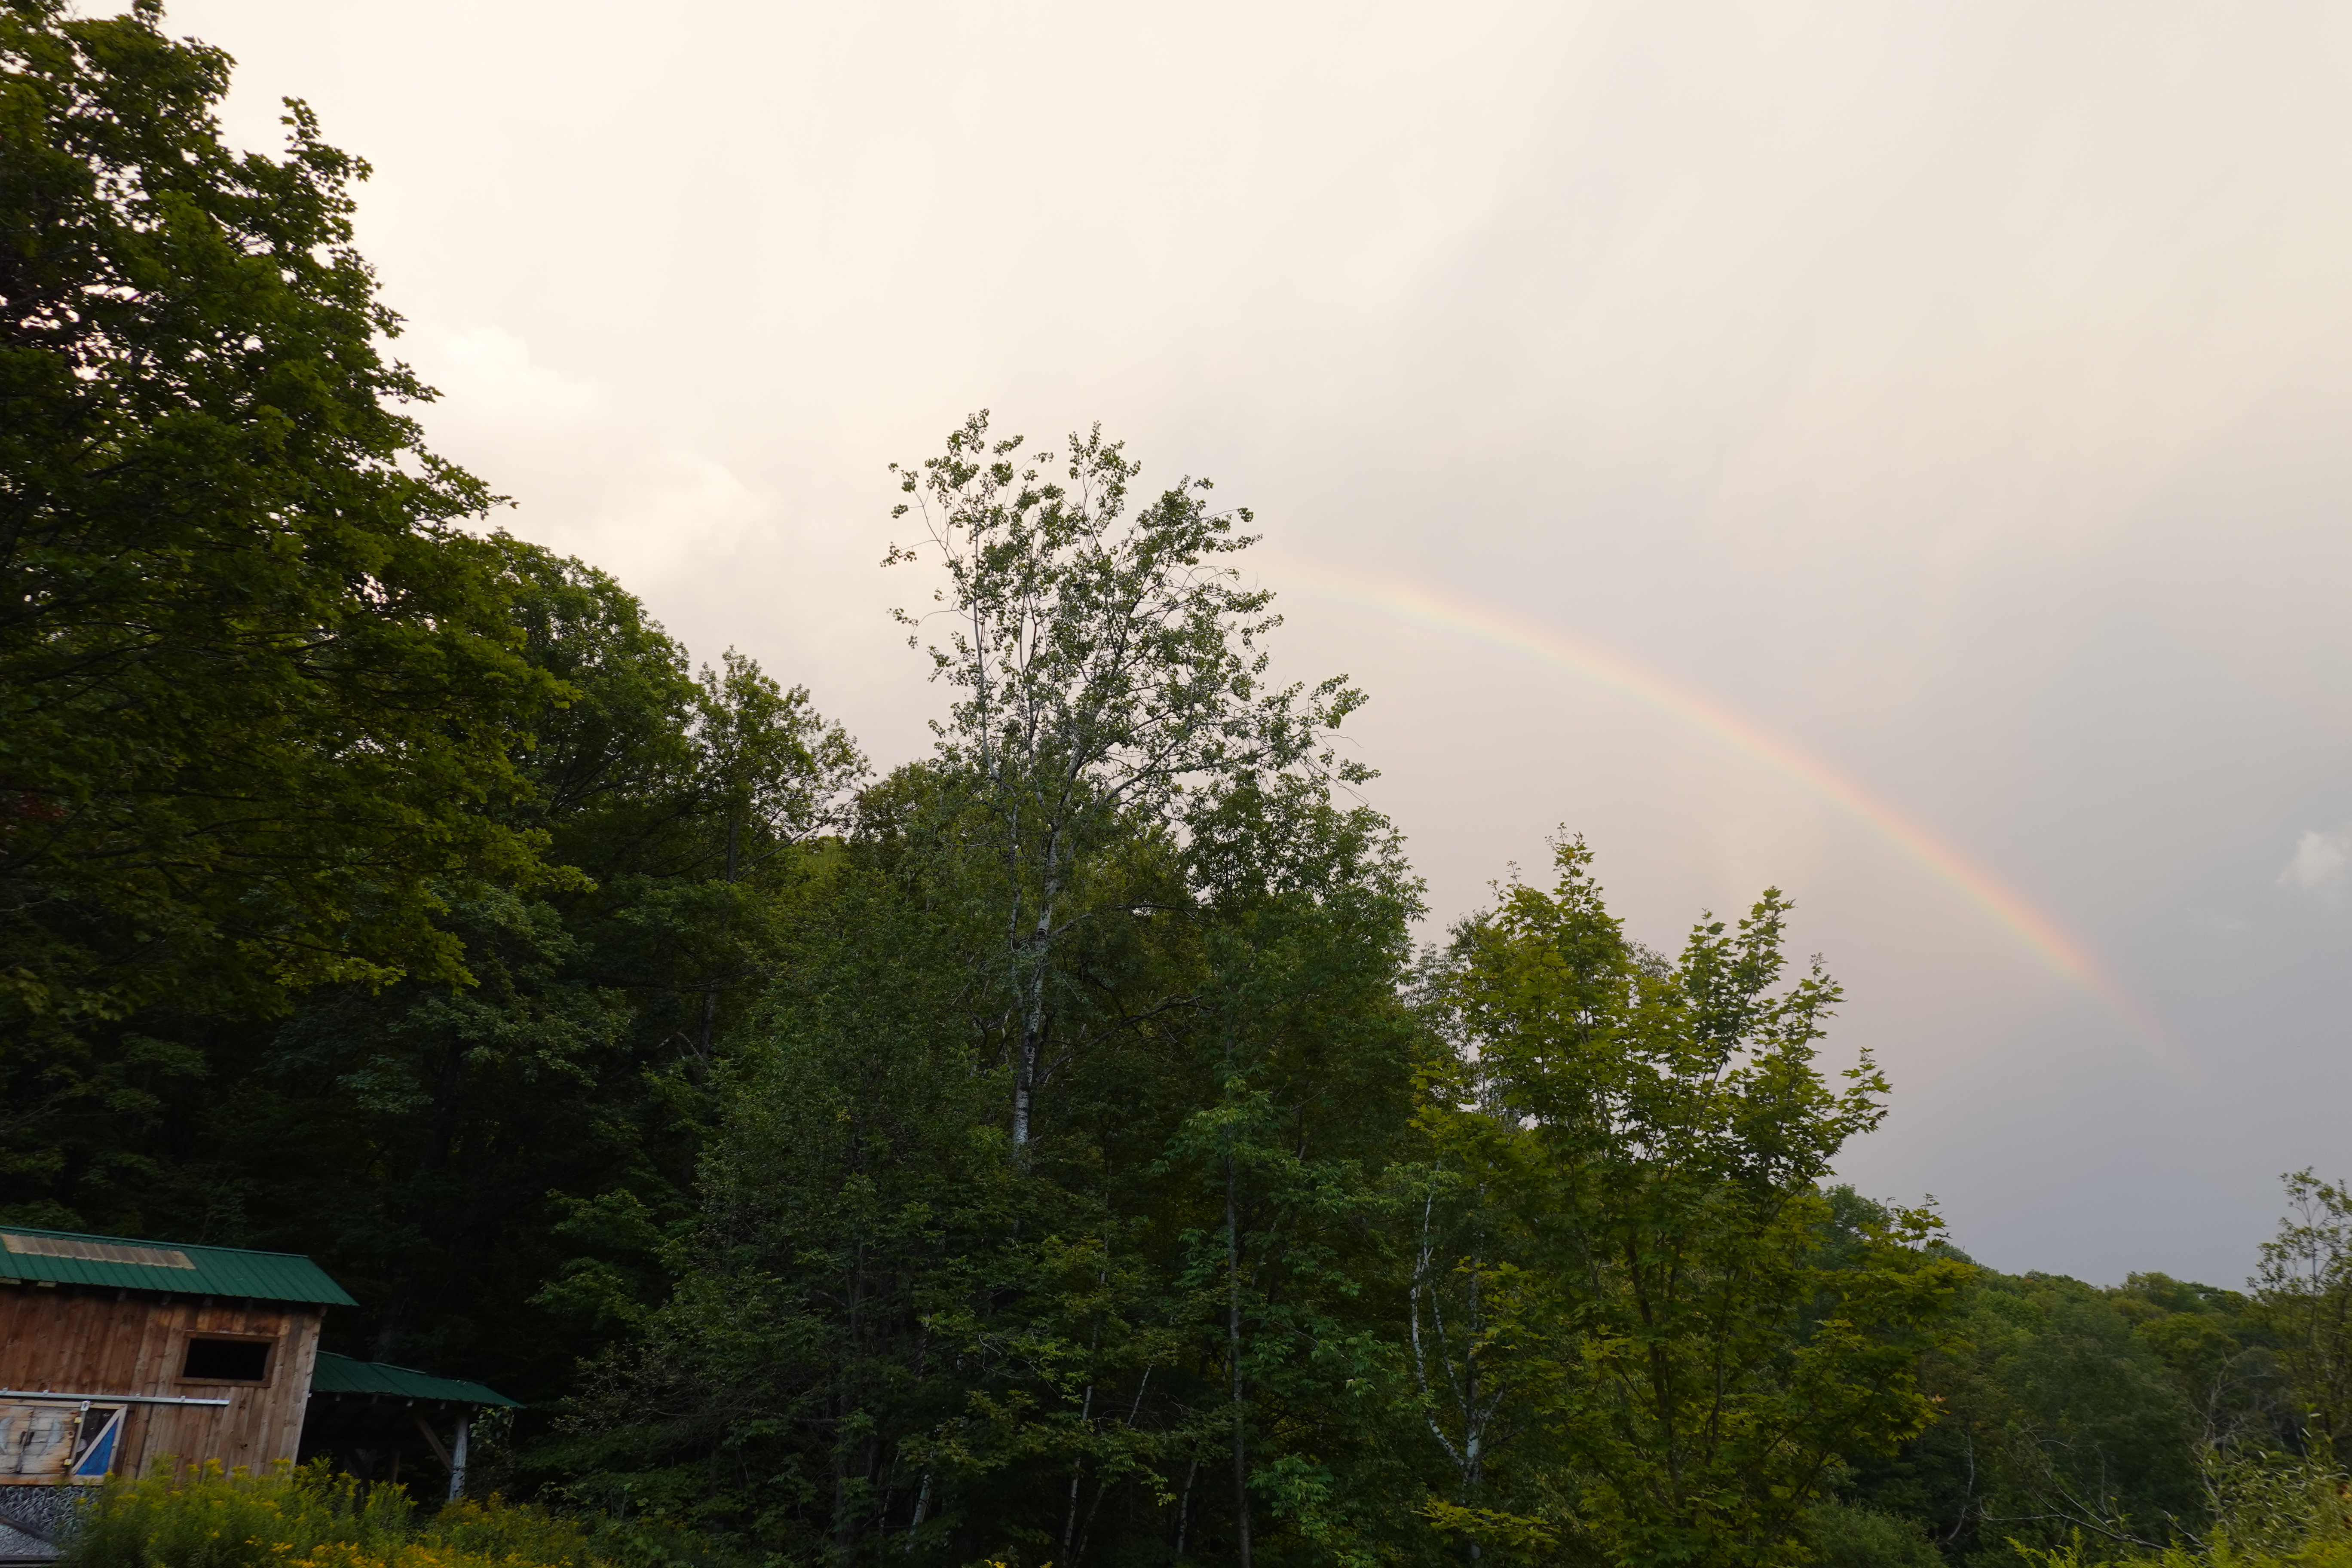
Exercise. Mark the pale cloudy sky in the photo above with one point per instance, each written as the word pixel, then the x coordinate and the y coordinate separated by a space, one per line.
pixel 1954 396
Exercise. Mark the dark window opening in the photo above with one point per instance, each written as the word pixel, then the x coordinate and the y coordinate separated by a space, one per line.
pixel 226 1360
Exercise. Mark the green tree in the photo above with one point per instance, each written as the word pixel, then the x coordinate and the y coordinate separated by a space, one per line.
pixel 1311 1057
pixel 256 685
pixel 2305 1286
pixel 1691 1367
pixel 448 1151
pixel 791 1389
pixel 774 775
pixel 902 1324
pixel 1107 668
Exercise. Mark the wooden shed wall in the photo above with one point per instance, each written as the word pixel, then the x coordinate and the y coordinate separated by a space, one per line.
pixel 69 1340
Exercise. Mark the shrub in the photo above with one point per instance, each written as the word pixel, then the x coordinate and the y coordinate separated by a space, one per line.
pixel 1846 1536
pixel 307 1518
pixel 2270 1511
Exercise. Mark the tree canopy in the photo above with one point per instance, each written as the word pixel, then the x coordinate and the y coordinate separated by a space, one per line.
pixel 259 688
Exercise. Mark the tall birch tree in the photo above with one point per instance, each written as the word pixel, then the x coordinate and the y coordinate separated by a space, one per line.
pixel 1109 669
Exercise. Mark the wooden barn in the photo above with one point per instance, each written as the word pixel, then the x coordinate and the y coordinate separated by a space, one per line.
pixel 116 1354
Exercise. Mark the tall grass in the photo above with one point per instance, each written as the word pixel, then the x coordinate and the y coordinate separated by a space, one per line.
pixel 308 1518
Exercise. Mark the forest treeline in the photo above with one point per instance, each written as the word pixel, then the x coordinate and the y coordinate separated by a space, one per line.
pixel 1053 1150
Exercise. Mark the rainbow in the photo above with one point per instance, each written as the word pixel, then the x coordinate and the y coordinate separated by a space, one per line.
pixel 1463 620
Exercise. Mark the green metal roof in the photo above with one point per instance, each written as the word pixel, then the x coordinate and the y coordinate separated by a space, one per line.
pixel 341 1375
pixel 178 1267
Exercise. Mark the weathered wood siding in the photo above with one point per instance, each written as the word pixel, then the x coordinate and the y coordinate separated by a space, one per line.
pixel 69 1340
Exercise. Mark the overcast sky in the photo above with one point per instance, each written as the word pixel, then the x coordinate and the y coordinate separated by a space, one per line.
pixel 1950 400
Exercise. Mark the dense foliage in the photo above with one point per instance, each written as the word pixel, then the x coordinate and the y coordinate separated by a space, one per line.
pixel 312 1519
pixel 1053 1149
pixel 1657 1299
pixel 256 686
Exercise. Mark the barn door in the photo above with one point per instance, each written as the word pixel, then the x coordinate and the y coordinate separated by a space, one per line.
pixel 50 1441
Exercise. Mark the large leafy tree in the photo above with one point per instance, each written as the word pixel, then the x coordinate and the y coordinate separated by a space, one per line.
pixel 448 1151
pixel 1653 1307
pixel 256 685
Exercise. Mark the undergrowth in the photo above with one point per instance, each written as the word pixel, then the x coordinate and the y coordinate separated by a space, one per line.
pixel 313 1518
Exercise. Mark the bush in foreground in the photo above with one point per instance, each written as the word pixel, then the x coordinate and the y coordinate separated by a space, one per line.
pixel 311 1518
pixel 2270 1511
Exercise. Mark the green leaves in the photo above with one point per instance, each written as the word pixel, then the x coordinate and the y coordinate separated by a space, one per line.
pixel 1676 1368
pixel 1109 678
pixel 1095 647
pixel 2305 1286
pixel 256 694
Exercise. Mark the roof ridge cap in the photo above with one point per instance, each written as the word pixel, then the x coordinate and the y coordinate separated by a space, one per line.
pixel 7 1227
